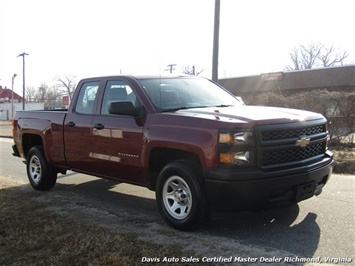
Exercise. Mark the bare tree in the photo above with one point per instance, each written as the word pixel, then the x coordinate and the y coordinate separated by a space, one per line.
pixel 67 82
pixel 191 70
pixel 41 94
pixel 30 93
pixel 329 58
pixel 54 98
pixel 315 55
pixel 49 96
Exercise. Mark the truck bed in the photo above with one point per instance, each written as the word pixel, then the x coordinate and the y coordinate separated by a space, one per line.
pixel 45 123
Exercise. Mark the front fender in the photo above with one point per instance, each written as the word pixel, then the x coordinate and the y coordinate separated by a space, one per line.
pixel 199 141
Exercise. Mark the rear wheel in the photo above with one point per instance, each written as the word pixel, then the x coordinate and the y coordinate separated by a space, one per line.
pixel 180 195
pixel 40 173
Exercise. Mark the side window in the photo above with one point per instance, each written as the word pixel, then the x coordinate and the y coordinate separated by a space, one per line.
pixel 116 91
pixel 86 98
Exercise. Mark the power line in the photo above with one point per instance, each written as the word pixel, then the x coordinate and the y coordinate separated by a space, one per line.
pixel 170 68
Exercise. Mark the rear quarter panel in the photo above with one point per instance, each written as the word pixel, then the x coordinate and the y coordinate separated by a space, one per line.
pixel 48 125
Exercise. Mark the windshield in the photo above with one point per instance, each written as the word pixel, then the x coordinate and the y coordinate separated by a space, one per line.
pixel 171 94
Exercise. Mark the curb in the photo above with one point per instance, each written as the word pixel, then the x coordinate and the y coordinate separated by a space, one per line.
pixel 6 137
pixel 5 123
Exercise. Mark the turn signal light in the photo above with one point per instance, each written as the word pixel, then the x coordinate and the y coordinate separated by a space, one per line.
pixel 225 138
pixel 226 157
pixel 236 158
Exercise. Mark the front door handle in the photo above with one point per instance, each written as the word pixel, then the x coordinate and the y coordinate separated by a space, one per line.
pixel 99 126
pixel 71 124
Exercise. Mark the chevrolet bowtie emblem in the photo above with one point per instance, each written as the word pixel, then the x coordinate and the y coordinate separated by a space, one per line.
pixel 303 142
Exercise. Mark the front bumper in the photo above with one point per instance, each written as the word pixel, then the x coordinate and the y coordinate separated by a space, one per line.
pixel 235 189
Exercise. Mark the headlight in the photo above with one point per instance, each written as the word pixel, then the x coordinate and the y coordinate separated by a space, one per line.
pixel 243 138
pixel 239 138
pixel 236 147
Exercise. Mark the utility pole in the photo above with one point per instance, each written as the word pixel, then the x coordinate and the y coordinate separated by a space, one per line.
pixel 12 96
pixel 23 81
pixel 215 41
pixel 171 68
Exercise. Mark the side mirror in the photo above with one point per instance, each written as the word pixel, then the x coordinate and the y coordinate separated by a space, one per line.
pixel 124 108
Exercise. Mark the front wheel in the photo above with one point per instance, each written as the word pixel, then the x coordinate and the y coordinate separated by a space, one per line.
pixel 40 173
pixel 180 195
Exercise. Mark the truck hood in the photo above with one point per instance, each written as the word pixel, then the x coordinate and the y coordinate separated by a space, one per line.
pixel 251 114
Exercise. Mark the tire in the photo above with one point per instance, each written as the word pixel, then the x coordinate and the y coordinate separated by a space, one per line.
pixel 40 173
pixel 180 196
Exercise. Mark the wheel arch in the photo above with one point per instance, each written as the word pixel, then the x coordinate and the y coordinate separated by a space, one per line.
pixel 161 156
pixel 29 141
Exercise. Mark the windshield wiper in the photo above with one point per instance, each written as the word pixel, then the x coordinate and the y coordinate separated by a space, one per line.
pixel 175 109
pixel 223 105
pixel 191 107
pixel 183 108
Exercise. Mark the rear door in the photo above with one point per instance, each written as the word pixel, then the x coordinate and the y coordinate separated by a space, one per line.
pixel 77 128
pixel 118 139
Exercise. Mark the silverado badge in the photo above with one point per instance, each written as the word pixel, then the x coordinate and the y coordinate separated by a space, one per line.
pixel 303 142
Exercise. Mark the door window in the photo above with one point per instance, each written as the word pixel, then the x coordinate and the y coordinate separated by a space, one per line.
pixel 87 97
pixel 116 91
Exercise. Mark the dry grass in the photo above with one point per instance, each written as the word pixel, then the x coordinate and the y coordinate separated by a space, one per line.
pixel 31 235
pixel 344 160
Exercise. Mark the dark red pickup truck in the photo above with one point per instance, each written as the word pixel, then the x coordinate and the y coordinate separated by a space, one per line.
pixel 191 141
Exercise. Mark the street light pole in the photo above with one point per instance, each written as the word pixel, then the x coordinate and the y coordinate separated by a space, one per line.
pixel 12 96
pixel 23 82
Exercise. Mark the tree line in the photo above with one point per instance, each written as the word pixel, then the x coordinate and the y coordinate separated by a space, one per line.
pixel 337 106
pixel 52 96
pixel 315 55
pixel 301 57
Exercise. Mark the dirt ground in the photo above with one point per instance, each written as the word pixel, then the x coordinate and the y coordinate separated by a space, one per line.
pixel 61 227
pixel 344 161
pixel 32 235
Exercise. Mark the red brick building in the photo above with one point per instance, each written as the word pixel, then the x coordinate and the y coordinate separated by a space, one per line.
pixel 6 95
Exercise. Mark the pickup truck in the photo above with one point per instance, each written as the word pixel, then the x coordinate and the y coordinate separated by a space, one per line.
pixel 200 148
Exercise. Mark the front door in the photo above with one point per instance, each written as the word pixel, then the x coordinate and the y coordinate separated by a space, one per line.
pixel 118 139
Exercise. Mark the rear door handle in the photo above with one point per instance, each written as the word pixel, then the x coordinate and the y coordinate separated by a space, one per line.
pixel 99 126
pixel 71 124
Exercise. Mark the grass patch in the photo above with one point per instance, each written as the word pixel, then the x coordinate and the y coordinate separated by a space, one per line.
pixel 344 160
pixel 32 235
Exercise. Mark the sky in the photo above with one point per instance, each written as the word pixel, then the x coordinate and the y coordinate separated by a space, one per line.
pixel 109 37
